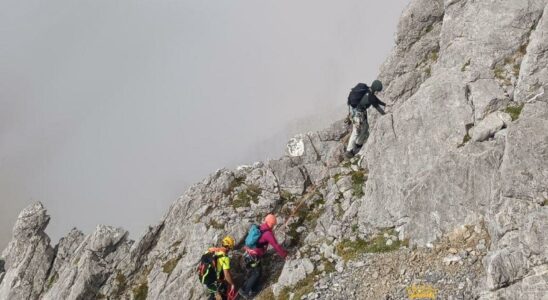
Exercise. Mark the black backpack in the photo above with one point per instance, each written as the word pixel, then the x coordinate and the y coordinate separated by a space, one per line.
pixel 207 268
pixel 357 93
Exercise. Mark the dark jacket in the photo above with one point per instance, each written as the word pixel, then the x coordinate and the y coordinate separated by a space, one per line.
pixel 369 100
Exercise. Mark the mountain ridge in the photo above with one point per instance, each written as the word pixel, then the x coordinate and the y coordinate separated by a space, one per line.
pixel 450 190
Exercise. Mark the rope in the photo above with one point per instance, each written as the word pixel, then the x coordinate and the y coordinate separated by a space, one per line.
pixel 309 194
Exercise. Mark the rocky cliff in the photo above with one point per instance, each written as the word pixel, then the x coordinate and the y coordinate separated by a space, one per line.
pixel 450 191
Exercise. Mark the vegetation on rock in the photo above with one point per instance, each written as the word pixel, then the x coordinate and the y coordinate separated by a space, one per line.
pixel 514 111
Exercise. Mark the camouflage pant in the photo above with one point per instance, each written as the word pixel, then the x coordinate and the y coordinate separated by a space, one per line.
pixel 360 130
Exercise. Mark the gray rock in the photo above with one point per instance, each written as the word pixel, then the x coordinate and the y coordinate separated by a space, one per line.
pixel 28 256
pixel 504 267
pixel 293 272
pixel 491 124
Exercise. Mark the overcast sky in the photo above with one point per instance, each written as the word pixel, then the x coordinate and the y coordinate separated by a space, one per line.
pixel 110 109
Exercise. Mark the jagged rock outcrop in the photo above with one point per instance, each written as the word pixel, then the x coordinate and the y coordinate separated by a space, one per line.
pixel 28 256
pixel 458 168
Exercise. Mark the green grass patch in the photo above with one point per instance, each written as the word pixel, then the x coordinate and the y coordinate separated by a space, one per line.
pixel 213 223
pixel 245 197
pixel 466 64
pixel 429 28
pixel 170 265
pixel 121 284
pixel 52 280
pixel 358 179
pixel 428 71
pixel 467 136
pixel 328 266
pixel 307 215
pixel 348 249
pixel 545 203
pixel 522 50
pixel 434 55
pixel 302 288
pixel 286 196
pixel 500 73
pixel 466 139
pixel 266 294
pixel 514 111
pixel 238 181
pixel 515 69
pixel 140 291
pixel 337 177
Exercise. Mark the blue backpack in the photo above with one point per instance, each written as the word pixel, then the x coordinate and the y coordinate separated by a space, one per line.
pixel 253 236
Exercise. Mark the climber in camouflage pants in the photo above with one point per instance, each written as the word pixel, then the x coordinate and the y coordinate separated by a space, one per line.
pixel 360 99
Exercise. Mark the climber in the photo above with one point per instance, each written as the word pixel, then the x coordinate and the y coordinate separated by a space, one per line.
pixel 255 251
pixel 361 97
pixel 214 271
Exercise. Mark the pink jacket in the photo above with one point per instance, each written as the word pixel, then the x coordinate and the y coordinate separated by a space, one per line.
pixel 267 238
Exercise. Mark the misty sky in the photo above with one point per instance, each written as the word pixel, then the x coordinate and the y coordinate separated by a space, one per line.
pixel 110 109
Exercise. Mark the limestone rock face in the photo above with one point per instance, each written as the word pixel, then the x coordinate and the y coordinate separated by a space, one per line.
pixel 292 273
pixel 28 256
pixel 490 125
pixel 457 167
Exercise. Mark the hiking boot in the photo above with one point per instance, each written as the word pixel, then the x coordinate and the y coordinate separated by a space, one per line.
pixel 243 294
pixel 349 154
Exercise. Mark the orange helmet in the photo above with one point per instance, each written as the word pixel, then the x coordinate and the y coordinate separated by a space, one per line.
pixel 270 220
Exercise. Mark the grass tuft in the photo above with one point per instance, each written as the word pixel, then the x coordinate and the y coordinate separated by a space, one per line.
pixel 514 111
pixel 348 249
pixel 434 55
pixel 358 179
pixel 245 197
pixel 266 294
pixel 428 71
pixel 286 196
pixel 466 64
pixel 238 181
pixel 170 265
pixel 140 292
pixel 217 225
pixel 500 73
pixel 52 280
pixel 302 288
pixel 121 284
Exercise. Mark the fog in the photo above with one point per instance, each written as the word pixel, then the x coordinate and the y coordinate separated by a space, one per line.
pixel 110 109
